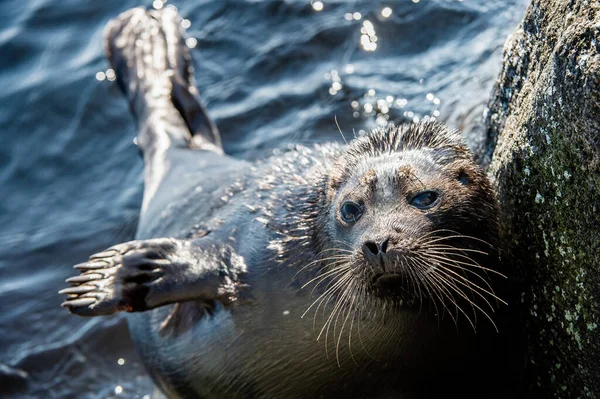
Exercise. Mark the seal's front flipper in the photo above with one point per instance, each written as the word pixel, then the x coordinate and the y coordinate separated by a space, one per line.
pixel 142 275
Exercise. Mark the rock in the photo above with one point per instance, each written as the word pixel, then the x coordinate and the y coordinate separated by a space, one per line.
pixel 543 126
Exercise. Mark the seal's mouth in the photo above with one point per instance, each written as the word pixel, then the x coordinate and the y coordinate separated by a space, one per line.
pixel 393 286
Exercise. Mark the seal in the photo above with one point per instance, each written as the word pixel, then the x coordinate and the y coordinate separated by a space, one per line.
pixel 358 270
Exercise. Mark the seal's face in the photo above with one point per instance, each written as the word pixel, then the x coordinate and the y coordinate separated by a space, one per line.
pixel 412 220
pixel 392 211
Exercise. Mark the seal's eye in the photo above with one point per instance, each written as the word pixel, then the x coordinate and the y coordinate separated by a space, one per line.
pixel 350 211
pixel 424 200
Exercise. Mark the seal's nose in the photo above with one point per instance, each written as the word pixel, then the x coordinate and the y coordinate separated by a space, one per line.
pixel 373 249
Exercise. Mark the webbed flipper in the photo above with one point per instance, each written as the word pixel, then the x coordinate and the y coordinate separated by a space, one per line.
pixel 140 275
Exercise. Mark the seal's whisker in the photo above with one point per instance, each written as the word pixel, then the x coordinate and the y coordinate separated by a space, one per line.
pixel 339 128
pixel 454 249
pixel 451 283
pixel 337 311
pixel 452 264
pixel 416 286
pixel 435 234
pixel 473 288
pixel 316 261
pixel 470 266
pixel 428 234
pixel 342 270
pixel 339 301
pixel 335 267
pixel 337 308
pixel 337 249
pixel 474 264
pixel 327 323
pixel 350 335
pixel 347 311
pixel 445 285
pixel 338 284
pixel 323 260
pixel 457 235
pixel 326 298
pixel 343 267
pixel 412 281
pixel 437 289
pixel 357 315
pixel 442 261
pixel 348 245
pixel 360 317
pixel 449 263
pixel 414 271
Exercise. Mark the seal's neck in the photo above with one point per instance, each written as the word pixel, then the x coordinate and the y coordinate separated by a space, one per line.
pixel 299 206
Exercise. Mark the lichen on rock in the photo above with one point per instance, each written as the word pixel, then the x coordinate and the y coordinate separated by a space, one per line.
pixel 543 127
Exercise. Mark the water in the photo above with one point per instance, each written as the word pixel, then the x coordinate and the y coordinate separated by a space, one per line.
pixel 270 72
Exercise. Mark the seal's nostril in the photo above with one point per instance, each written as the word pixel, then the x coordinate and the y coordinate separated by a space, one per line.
pixel 371 247
pixel 384 245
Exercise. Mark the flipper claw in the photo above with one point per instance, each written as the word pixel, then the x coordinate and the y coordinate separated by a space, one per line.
pixel 100 264
pixel 78 290
pixel 79 302
pixel 105 254
pixel 84 278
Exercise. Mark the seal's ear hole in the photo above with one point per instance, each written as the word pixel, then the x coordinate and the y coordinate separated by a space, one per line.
pixel 463 178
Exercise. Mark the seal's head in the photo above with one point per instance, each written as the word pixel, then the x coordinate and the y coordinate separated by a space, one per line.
pixel 410 218
pixel 400 218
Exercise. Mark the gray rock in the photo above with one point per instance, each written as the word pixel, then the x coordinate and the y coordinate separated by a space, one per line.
pixel 544 129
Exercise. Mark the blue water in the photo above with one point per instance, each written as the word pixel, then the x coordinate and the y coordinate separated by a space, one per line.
pixel 270 73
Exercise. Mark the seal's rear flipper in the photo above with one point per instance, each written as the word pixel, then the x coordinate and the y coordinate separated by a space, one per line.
pixel 153 66
pixel 142 275
pixel 185 94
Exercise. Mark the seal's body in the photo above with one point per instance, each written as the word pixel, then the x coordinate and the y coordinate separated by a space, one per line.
pixel 356 271
pixel 270 342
